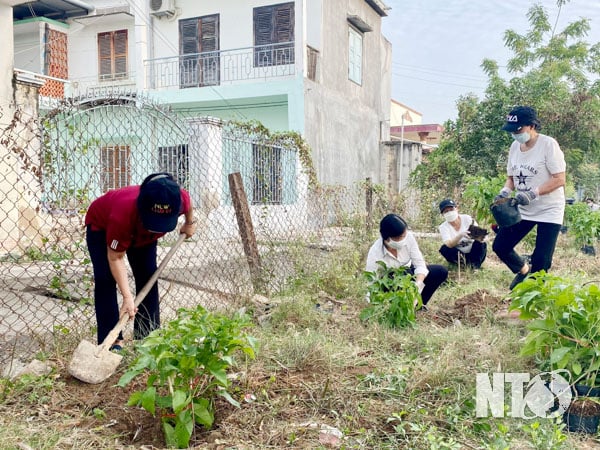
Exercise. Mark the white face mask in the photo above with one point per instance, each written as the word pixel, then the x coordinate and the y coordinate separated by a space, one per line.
pixel 451 216
pixel 521 138
pixel 396 244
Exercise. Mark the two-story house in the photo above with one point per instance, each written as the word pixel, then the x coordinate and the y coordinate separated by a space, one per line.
pixel 321 68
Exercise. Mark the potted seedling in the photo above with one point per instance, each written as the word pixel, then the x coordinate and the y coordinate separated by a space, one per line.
pixel 583 415
pixel 564 333
pixel 584 225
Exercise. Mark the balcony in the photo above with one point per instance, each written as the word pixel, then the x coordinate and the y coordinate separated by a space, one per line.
pixel 98 87
pixel 221 67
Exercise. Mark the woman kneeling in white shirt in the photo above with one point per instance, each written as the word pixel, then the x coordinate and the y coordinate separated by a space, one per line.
pixel 397 247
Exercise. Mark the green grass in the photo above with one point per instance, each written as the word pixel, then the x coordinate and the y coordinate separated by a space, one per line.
pixel 381 388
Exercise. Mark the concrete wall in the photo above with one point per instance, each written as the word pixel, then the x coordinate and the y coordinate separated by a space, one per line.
pixel 398 161
pixel 345 121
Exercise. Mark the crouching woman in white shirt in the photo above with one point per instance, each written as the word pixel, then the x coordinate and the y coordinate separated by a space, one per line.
pixel 397 247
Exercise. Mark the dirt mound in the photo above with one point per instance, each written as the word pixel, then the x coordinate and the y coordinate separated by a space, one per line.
pixel 470 310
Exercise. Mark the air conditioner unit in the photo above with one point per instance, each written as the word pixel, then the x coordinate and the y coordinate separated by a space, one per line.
pixel 161 8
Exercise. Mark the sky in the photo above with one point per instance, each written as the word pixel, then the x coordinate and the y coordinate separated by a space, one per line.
pixel 438 46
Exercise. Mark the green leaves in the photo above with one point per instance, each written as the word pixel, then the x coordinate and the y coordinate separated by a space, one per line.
pixel 553 70
pixel 186 364
pixel 583 223
pixel 393 297
pixel 565 331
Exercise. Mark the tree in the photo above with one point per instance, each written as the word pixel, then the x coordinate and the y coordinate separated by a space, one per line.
pixel 558 74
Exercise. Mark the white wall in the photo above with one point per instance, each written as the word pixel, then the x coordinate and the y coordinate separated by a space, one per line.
pixel 83 45
pixel 235 22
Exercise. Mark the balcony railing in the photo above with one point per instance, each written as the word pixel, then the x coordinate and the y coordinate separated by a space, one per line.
pixel 221 67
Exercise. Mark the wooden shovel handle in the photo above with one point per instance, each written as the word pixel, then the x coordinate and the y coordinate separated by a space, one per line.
pixel 114 333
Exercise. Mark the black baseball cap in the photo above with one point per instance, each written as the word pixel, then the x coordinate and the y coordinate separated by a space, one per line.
pixel 159 202
pixel 519 117
pixel 447 203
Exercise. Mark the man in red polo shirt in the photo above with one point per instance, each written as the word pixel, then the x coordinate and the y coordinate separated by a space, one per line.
pixel 130 221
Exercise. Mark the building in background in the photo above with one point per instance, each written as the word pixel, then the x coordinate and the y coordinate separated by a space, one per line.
pixel 406 123
pixel 321 68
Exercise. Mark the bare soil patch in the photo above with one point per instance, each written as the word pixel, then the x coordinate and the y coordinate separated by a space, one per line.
pixel 469 310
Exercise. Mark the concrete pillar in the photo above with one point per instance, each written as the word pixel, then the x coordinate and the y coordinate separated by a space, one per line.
pixel 6 63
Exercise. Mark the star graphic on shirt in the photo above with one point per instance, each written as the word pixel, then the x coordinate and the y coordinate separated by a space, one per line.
pixel 522 179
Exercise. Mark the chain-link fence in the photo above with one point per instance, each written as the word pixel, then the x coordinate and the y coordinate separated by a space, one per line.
pixel 53 166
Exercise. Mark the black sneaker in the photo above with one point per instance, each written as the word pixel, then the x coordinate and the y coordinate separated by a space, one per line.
pixel 519 277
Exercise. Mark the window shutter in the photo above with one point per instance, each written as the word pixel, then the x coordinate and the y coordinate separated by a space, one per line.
pixel 263 25
pixel 188 36
pixel 104 55
pixel 209 34
pixel 284 23
pixel 188 44
pixel 120 49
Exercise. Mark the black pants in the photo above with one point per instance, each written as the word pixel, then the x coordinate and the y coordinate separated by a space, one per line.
pixel 474 258
pixel 545 243
pixel 436 276
pixel 143 264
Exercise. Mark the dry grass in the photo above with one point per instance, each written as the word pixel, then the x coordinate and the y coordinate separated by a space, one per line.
pixel 320 367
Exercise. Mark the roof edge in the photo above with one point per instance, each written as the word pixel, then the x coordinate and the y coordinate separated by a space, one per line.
pixel 379 7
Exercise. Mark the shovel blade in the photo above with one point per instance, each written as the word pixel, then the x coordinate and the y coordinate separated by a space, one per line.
pixel 92 366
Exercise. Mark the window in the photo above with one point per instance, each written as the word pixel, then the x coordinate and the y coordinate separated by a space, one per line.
pixel 112 55
pixel 274 35
pixel 199 49
pixel 355 45
pixel 267 176
pixel 116 167
pixel 175 160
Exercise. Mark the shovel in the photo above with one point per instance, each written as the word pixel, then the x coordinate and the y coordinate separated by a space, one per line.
pixel 95 363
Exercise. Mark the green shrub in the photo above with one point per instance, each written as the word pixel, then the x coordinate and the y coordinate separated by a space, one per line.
pixel 393 297
pixel 565 328
pixel 186 362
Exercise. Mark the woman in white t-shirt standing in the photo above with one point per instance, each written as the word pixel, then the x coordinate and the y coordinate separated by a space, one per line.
pixel 457 239
pixel 536 172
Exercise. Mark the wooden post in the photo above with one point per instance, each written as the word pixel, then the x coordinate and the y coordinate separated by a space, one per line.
pixel 242 213
pixel 369 205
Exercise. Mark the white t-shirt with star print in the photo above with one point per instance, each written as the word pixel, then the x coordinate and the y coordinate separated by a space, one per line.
pixel 531 169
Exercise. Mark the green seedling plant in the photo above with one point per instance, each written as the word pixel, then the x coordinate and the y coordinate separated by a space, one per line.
pixel 564 326
pixel 479 194
pixel 186 365
pixel 583 224
pixel 393 297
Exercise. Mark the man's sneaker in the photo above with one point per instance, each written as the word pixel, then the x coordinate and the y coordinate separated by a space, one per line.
pixel 517 279
pixel 116 348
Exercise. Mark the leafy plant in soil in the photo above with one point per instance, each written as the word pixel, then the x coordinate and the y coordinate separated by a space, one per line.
pixel 564 331
pixel 393 297
pixel 186 365
pixel 583 224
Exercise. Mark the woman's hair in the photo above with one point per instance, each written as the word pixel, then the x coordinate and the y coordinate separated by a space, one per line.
pixel 392 225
